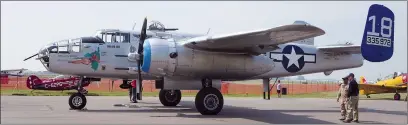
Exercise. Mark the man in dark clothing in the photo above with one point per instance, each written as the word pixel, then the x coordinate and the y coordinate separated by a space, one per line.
pixel 352 101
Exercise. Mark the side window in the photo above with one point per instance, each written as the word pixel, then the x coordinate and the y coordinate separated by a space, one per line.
pixel 63 46
pixel 76 48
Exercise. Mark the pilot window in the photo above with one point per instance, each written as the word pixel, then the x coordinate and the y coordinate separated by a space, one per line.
pixel 75 45
pixel 116 37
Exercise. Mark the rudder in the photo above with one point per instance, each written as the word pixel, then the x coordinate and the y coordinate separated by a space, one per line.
pixel 378 38
pixel 309 41
pixel 33 80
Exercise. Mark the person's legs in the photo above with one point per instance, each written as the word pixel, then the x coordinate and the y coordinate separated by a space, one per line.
pixel 343 110
pixel 134 94
pixel 351 108
pixel 355 111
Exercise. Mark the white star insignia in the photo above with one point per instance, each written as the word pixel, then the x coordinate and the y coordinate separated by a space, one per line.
pixel 293 58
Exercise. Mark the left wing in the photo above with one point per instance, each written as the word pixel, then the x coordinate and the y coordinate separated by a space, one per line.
pixel 253 42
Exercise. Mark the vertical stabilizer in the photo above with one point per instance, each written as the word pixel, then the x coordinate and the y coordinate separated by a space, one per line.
pixel 309 41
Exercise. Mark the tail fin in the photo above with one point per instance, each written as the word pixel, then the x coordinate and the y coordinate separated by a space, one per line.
pixel 378 38
pixel 363 80
pixel 309 41
pixel 33 80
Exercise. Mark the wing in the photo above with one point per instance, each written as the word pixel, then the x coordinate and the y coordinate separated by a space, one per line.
pixel 253 42
pixel 352 49
pixel 375 89
pixel 13 70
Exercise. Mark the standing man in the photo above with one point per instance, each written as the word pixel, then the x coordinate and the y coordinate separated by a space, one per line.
pixel 352 101
pixel 342 94
pixel 132 91
pixel 278 89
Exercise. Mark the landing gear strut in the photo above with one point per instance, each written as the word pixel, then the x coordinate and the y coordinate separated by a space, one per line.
pixel 209 100
pixel 77 101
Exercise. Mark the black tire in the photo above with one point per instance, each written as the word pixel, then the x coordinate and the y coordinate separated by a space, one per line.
pixel 170 100
pixel 77 101
pixel 212 94
pixel 397 96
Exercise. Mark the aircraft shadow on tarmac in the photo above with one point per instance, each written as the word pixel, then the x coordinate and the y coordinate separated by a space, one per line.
pixel 266 116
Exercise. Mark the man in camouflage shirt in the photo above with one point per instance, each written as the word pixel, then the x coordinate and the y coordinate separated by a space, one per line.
pixel 342 94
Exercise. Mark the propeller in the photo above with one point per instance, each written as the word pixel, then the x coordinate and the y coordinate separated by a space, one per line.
pixel 140 52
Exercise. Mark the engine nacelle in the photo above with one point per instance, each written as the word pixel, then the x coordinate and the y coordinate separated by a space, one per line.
pixel 156 56
pixel 162 57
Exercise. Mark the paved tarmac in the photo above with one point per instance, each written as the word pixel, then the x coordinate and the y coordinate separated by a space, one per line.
pixel 55 110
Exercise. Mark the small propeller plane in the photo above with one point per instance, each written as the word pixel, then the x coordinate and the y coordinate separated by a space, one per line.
pixel 179 61
pixel 58 83
pixel 393 83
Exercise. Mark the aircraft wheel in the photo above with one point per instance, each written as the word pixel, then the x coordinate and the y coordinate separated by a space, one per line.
pixel 169 98
pixel 397 96
pixel 77 101
pixel 209 101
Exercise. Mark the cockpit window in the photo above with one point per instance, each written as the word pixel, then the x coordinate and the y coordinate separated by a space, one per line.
pixel 75 45
pixel 63 46
pixel 115 37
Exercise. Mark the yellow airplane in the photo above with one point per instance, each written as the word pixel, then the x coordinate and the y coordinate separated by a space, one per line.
pixel 394 83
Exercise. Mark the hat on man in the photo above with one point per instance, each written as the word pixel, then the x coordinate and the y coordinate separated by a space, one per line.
pixel 351 74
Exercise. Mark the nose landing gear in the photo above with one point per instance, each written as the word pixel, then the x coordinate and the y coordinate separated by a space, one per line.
pixel 77 101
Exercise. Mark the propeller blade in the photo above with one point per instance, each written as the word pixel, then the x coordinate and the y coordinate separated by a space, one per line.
pixel 31 57
pixel 142 36
pixel 140 52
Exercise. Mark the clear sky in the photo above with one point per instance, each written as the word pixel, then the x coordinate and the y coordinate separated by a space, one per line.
pixel 28 26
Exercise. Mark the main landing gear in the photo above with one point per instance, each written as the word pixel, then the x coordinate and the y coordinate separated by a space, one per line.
pixel 77 101
pixel 209 100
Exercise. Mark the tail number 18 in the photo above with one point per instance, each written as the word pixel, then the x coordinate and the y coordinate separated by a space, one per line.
pixel 383 27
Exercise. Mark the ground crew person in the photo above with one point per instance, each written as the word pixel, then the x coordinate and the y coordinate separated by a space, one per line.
pixel 342 94
pixel 278 89
pixel 352 101
pixel 132 91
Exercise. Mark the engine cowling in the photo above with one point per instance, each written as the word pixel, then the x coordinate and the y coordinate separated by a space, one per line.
pixel 162 57
pixel 155 56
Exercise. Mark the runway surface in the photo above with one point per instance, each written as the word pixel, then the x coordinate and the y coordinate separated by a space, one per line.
pixel 55 109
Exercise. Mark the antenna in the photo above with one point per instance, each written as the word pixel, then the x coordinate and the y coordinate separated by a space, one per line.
pixel 134 26
pixel 208 30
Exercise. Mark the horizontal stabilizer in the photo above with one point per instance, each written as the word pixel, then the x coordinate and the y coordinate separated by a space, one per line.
pixel 352 49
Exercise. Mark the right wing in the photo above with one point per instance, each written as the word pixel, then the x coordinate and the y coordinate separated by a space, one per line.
pixel 253 42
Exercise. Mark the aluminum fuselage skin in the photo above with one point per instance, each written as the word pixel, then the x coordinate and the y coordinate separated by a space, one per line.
pixel 115 62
